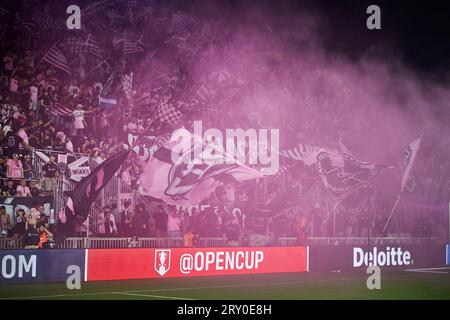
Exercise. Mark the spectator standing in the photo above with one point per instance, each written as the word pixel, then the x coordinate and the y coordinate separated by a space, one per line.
pixel 78 141
pixel 81 229
pixel 3 168
pixel 24 136
pixel 118 218
pixel 27 168
pixel 69 145
pixel 5 222
pixel 106 223
pixel 18 231
pixel 211 224
pixel 161 222
pixel 12 144
pixel 140 222
pixel 190 239
pixel 301 230
pixel 23 190
pixel 32 238
pixel 128 218
pixel 34 189
pixel 9 190
pixel 78 116
pixel 44 235
pixel 173 223
pixel 33 216
pixel 15 167
pixel 232 231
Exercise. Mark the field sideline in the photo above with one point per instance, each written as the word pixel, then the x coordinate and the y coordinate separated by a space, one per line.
pixel 399 284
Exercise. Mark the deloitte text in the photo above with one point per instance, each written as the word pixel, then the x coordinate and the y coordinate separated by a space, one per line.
pixel 392 257
pixel 237 146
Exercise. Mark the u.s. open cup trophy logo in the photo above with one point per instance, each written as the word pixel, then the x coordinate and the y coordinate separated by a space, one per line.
pixel 162 261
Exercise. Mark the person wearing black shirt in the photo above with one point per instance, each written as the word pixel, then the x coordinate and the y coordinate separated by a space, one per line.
pixel 78 141
pixel 18 231
pixel 232 230
pixel 12 143
pixel 27 168
pixel 32 238
pixel 160 222
pixel 33 189
pixel 3 168
pixel 9 190
pixel 140 221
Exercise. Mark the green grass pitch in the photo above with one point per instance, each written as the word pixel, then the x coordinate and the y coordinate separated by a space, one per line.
pixel 397 284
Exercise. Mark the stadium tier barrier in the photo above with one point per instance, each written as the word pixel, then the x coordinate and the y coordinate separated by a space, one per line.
pixel 46 265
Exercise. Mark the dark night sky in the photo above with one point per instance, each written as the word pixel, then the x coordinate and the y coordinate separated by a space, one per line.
pixel 416 32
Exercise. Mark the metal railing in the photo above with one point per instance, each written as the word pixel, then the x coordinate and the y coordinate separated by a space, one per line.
pixel 160 242
pixel 9 243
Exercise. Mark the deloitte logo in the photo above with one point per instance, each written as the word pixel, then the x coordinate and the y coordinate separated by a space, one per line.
pixel 390 257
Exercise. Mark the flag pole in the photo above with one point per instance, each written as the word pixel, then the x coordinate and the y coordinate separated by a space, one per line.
pixel 334 221
pixel 392 211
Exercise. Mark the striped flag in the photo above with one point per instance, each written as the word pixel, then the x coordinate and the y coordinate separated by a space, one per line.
pixel 410 155
pixel 93 47
pixel 55 57
pixel 75 44
pixel 205 92
pixel 169 74
pixel 132 43
pixel 94 8
pixel 78 45
pixel 178 39
pixel 60 110
pixel 180 21
pixel 228 94
pixel 27 24
pixel 303 152
pixel 3 12
pixel 43 20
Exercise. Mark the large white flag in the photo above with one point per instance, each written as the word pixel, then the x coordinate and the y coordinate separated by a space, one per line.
pixel 410 155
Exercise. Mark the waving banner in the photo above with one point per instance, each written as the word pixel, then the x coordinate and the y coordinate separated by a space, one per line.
pixel 86 191
pixel 187 183
pixel 409 176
